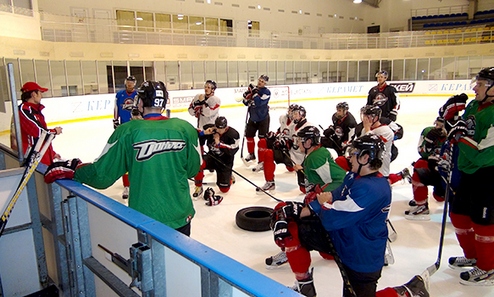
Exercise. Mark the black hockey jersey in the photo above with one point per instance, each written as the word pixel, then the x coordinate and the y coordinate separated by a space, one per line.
pixel 385 97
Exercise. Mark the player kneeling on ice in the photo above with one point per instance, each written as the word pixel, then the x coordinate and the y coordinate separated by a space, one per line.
pixel 222 142
pixel 341 222
pixel 159 153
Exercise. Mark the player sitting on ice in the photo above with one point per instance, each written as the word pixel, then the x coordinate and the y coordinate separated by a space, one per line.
pixel 425 171
pixel 336 136
pixel 277 144
pixel 343 221
pixel 284 150
pixel 222 141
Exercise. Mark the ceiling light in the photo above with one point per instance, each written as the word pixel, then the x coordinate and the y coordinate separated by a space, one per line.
pixel 357 1
pixel 139 18
pixel 198 23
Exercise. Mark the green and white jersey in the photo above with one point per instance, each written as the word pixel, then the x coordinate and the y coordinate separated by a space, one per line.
pixel 477 151
pixel 160 155
pixel 321 169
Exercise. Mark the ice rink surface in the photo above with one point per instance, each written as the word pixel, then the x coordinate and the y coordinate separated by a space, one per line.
pixel 415 248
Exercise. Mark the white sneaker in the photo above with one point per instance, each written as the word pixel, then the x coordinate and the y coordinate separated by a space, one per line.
pixel 461 263
pixel 125 193
pixel 197 192
pixel 477 277
pixel 268 186
pixel 259 167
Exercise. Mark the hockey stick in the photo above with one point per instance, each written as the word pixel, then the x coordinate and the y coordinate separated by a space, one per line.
pixel 35 156
pixel 246 179
pixel 434 267
pixel 245 130
pixel 204 183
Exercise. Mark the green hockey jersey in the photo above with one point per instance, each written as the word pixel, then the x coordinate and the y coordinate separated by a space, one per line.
pixel 321 169
pixel 160 155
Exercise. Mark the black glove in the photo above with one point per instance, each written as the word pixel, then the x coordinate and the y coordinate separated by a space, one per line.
pixel 453 106
pixel 61 170
pixel 280 233
pixel 282 144
pixel 392 115
pixel 288 210
pixel 432 137
pixel 115 123
pixel 329 132
pixel 458 130
pixel 255 91
pixel 199 103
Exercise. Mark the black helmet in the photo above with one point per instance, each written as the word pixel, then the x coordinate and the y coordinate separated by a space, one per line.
pixel 371 145
pixel 487 74
pixel 342 105
pixel 130 78
pixel 264 77
pixel 292 107
pixel 372 110
pixel 221 123
pixel 153 94
pixel 212 83
pixel 301 110
pixel 310 132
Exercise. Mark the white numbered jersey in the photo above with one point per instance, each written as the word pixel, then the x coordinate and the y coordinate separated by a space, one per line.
pixel 387 135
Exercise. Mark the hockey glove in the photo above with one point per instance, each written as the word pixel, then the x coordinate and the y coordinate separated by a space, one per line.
pixel 255 91
pixel 432 137
pixel 115 123
pixel 288 210
pixel 61 170
pixel 329 132
pixel 281 233
pixel 312 191
pixel 453 106
pixel 458 130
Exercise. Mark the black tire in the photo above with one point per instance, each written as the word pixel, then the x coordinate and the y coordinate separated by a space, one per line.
pixel 254 218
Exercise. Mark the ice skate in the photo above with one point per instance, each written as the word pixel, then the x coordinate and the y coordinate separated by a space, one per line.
pixel 249 158
pixel 461 263
pixel 405 175
pixel 259 167
pixel 412 202
pixel 477 277
pixel 197 192
pixel 418 213
pixel 268 187
pixel 125 193
pixel 305 286
pixel 276 260
pixel 414 288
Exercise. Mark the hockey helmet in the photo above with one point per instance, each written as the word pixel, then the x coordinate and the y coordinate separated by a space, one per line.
pixel 487 75
pixel 301 110
pixel 221 122
pixel 212 83
pixel 264 77
pixel 371 110
pixel 152 94
pixel 383 73
pixel 369 144
pixel 130 78
pixel 310 132
pixel 342 105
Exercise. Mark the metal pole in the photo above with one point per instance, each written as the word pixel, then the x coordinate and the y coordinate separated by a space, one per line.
pixel 15 112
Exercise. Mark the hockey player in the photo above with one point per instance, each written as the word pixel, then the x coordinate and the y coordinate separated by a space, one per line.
pixel 286 147
pixel 160 155
pixel 425 171
pixel 32 120
pixel 222 141
pixel 205 107
pixel 321 174
pixel 256 99
pixel 124 102
pixel 384 96
pixel 277 144
pixel 337 135
pixel 472 209
pixel 371 115
pixel 352 216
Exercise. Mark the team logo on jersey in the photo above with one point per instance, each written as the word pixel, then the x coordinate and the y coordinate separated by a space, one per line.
pixel 147 149
pixel 128 104
pixel 380 99
pixel 338 131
